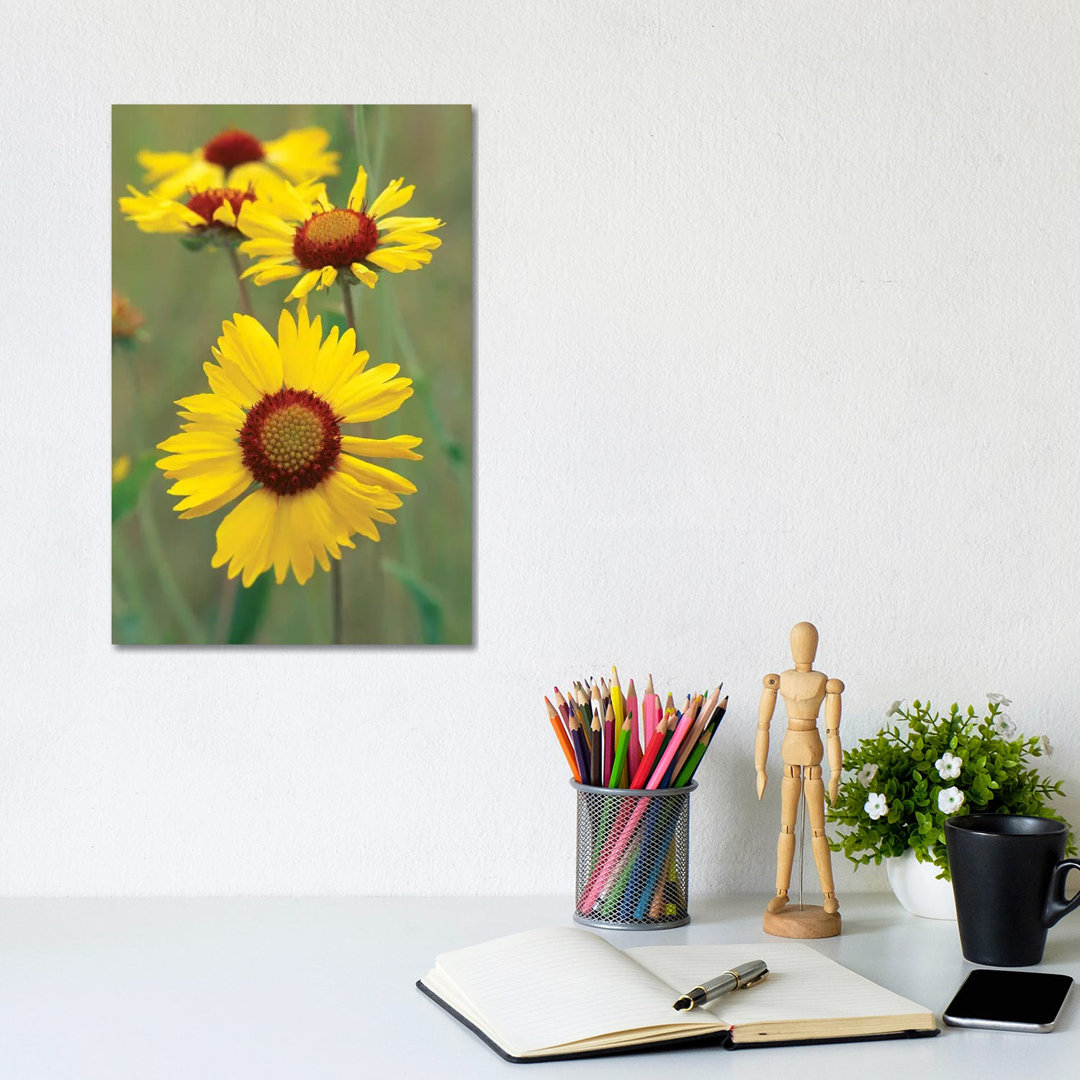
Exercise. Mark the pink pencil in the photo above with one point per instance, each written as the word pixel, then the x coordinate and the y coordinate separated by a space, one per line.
pixel 635 731
pixel 603 875
pixel 703 716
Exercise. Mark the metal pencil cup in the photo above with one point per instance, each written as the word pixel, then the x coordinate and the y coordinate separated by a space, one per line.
pixel 633 857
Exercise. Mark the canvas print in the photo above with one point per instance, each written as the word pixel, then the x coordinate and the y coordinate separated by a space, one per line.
pixel 292 374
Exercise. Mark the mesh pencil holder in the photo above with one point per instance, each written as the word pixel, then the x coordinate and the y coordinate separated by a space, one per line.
pixel 633 857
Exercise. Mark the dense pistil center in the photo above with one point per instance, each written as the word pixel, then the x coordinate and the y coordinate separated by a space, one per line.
pixel 232 148
pixel 335 238
pixel 290 441
pixel 204 203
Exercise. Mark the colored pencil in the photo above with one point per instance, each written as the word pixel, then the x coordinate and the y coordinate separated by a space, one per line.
pixel 634 758
pixel 581 747
pixel 609 743
pixel 703 716
pixel 622 748
pixel 564 740
pixel 596 757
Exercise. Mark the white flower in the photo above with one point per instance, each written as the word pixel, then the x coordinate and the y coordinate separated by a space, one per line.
pixel 1047 748
pixel 895 709
pixel 948 766
pixel 998 699
pixel 1003 725
pixel 866 774
pixel 876 806
pixel 950 800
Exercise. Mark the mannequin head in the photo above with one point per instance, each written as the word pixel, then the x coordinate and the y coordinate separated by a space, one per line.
pixel 804 640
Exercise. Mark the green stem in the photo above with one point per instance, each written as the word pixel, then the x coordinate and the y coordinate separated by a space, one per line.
pixel 350 311
pixel 363 153
pixel 174 597
pixel 245 299
pixel 458 465
pixel 336 605
pixel 230 589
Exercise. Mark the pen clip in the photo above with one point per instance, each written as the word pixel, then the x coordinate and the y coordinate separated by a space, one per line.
pixel 754 981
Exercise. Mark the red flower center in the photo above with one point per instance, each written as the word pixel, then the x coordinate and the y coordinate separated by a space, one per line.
pixel 290 441
pixel 204 203
pixel 335 238
pixel 232 148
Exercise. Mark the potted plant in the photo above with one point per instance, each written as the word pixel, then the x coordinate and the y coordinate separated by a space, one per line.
pixel 899 787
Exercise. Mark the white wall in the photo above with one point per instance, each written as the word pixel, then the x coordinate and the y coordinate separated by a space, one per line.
pixel 777 318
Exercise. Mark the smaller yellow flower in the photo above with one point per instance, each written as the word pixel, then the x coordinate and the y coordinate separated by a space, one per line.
pixel 308 237
pixel 236 159
pixel 211 215
pixel 121 468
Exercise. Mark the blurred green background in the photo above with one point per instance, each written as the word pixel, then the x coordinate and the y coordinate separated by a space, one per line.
pixel 415 586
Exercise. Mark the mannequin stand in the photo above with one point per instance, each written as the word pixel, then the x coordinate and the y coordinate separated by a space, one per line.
pixel 802 921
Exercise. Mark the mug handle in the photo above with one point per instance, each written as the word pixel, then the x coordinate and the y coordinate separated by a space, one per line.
pixel 1056 904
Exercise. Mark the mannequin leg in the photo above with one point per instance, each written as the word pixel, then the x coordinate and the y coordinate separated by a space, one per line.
pixel 815 804
pixel 790 790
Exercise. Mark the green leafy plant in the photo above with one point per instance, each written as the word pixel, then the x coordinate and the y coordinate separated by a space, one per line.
pixel 900 786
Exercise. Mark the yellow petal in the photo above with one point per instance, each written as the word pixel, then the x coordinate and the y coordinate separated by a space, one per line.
pixel 267 274
pixel 375 475
pixel 359 190
pixel 245 536
pixel 206 500
pixel 162 164
pixel 230 383
pixel 299 342
pixel 224 215
pixel 391 197
pixel 400 446
pixel 398 259
pixel 259 223
pixel 301 154
pixel 267 245
pixel 410 238
pixel 197 174
pixel 246 344
pixel 350 502
pixel 365 274
pixel 304 285
pixel 329 276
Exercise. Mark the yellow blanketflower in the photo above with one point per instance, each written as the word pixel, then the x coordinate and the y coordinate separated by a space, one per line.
pixel 273 417
pixel 211 213
pixel 238 159
pixel 307 237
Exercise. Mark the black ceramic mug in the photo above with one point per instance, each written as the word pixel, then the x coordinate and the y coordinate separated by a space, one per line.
pixel 1008 877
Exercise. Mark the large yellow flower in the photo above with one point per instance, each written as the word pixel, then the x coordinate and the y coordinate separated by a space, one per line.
pixel 237 158
pixel 309 237
pixel 273 417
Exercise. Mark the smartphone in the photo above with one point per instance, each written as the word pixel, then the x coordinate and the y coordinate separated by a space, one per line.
pixel 1013 1000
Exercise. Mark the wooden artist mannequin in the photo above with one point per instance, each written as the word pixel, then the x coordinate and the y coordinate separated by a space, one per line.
pixel 803 691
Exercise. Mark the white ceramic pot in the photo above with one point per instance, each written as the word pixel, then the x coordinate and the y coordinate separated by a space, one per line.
pixel 917 886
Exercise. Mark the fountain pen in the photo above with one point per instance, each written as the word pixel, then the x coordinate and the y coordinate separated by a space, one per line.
pixel 738 978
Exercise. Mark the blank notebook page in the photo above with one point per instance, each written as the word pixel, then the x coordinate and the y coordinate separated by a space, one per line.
pixel 577 986
pixel 802 984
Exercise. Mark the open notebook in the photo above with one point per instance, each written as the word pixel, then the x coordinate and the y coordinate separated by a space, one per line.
pixel 561 992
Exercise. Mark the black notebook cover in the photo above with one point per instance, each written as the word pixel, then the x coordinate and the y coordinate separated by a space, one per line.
pixel 690 1042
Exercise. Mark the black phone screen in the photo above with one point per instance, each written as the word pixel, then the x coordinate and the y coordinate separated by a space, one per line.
pixel 1029 998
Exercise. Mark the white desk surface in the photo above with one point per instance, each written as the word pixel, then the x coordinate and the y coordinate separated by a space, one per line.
pixel 308 989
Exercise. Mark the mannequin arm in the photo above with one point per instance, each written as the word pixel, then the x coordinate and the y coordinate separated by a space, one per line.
pixel 761 744
pixel 833 689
